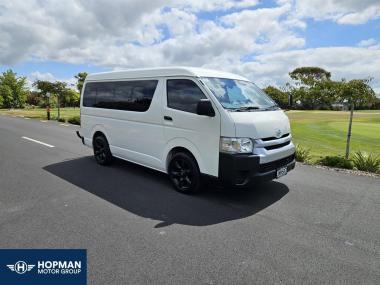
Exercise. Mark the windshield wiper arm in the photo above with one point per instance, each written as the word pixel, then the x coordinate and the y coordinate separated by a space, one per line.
pixel 273 107
pixel 247 108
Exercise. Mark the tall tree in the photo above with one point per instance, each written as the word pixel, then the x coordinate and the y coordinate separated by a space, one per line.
pixel 45 88
pixel 313 87
pixel 57 89
pixel 355 92
pixel 12 90
pixel 309 75
pixel 81 76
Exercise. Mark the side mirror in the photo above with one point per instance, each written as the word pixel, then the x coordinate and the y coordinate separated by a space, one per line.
pixel 205 108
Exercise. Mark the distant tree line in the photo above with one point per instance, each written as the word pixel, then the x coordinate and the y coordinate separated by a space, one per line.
pixel 15 93
pixel 312 88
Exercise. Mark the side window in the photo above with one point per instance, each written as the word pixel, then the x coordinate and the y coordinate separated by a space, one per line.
pixel 120 95
pixel 89 95
pixel 105 95
pixel 183 94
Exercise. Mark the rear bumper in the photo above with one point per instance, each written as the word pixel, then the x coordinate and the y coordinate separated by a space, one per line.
pixel 242 170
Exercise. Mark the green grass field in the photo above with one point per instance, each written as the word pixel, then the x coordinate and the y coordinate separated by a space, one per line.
pixel 39 113
pixel 324 132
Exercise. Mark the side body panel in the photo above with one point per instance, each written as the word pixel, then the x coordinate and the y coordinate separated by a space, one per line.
pixel 199 134
pixel 134 136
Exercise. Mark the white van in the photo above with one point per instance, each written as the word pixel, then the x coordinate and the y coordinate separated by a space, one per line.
pixel 186 122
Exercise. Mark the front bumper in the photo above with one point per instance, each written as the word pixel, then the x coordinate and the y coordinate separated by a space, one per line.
pixel 243 170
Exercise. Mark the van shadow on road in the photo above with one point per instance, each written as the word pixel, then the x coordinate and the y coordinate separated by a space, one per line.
pixel 149 194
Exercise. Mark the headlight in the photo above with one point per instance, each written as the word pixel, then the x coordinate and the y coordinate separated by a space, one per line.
pixel 236 145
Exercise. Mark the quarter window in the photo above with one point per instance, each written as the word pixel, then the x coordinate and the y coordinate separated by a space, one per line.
pixel 183 94
pixel 120 95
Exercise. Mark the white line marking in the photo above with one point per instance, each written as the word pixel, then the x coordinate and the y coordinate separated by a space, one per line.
pixel 26 118
pixel 36 141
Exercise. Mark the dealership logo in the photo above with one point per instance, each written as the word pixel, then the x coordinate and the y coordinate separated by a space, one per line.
pixel 20 267
pixel 43 266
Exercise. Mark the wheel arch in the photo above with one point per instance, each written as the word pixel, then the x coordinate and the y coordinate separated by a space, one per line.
pixel 182 145
pixel 99 129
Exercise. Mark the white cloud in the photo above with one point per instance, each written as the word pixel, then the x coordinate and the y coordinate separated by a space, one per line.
pixel 263 43
pixel 214 5
pixel 47 76
pixel 367 43
pixel 342 62
pixel 342 11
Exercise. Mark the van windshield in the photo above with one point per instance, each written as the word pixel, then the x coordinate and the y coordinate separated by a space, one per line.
pixel 239 95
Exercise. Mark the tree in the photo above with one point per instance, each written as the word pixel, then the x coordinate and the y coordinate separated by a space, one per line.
pixel 57 89
pixel 44 86
pixel 309 75
pixel 355 92
pixel 34 98
pixel 81 76
pixel 313 87
pixel 71 98
pixel 12 90
pixel 280 97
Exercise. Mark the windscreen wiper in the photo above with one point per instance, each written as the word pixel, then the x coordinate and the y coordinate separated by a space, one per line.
pixel 247 108
pixel 273 107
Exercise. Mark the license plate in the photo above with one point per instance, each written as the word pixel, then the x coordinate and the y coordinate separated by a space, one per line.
pixel 282 171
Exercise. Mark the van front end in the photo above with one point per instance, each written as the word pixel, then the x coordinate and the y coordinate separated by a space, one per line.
pixel 271 158
pixel 256 142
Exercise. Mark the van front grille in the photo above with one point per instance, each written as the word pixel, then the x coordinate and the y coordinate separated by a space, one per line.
pixel 273 165
pixel 274 138
pixel 275 146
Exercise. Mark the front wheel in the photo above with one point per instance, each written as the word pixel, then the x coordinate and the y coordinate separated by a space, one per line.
pixel 102 151
pixel 184 173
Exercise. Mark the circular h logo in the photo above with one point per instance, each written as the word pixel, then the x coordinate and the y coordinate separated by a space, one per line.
pixel 21 267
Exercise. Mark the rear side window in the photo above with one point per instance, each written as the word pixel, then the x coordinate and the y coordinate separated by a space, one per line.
pixel 120 95
pixel 183 94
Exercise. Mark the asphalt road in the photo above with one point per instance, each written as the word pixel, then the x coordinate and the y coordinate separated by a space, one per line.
pixel 313 226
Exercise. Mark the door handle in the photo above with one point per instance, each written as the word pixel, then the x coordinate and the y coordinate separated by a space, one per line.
pixel 167 118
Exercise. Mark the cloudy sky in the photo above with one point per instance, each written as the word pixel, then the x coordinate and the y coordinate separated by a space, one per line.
pixel 262 40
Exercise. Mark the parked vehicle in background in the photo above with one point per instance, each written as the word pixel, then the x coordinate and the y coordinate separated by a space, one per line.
pixel 187 122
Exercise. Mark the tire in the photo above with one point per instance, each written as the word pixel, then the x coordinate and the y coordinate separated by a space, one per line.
pixel 184 173
pixel 102 152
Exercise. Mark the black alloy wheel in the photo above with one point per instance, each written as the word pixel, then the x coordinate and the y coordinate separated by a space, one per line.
pixel 102 150
pixel 184 173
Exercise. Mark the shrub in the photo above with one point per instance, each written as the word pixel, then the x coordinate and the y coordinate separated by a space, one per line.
pixel 366 162
pixel 302 154
pixel 74 120
pixel 336 161
pixel 62 120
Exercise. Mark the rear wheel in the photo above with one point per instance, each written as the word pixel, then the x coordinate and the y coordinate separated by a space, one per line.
pixel 184 173
pixel 102 152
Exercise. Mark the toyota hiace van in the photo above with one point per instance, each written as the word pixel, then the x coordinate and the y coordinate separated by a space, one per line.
pixel 187 122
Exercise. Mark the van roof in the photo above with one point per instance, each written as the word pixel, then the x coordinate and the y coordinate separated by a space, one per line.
pixel 162 71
